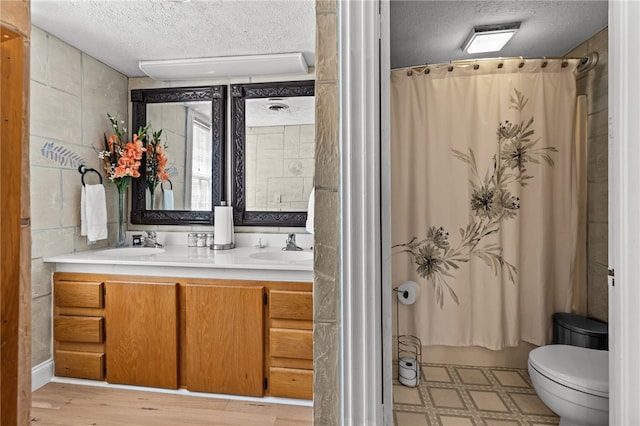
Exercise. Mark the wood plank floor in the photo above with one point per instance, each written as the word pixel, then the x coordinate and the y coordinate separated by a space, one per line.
pixel 62 404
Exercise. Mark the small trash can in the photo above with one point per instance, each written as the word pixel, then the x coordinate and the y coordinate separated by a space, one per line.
pixel 576 330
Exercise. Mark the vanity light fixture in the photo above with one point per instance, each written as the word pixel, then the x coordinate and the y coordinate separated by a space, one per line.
pixel 227 66
pixel 489 38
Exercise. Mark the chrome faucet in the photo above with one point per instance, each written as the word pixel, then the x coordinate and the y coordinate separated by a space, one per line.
pixel 150 240
pixel 291 244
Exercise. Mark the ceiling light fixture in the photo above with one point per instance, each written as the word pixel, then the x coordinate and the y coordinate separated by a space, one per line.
pixel 489 38
pixel 228 66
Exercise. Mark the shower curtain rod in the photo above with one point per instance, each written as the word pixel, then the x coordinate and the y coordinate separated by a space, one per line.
pixel 586 63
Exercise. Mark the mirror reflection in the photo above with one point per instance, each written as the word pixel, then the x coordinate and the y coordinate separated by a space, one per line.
pixel 192 120
pixel 186 133
pixel 273 146
pixel 280 150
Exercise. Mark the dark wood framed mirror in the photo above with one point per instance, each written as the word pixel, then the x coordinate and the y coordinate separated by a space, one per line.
pixel 273 150
pixel 193 122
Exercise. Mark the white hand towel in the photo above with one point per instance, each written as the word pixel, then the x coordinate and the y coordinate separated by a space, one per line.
pixel 310 211
pixel 167 199
pixel 93 213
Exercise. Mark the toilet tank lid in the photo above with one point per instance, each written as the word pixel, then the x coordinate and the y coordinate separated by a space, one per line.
pixel 580 324
pixel 580 368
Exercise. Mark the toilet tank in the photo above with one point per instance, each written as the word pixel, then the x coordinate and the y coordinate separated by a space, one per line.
pixel 576 330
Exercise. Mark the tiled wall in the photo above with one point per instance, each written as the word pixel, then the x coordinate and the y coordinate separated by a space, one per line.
pixel 71 93
pixel 280 167
pixel 326 286
pixel 594 84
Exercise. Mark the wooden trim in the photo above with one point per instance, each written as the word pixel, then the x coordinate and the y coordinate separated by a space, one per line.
pixel 14 273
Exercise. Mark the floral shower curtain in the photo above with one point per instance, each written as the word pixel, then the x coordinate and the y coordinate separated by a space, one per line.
pixel 485 206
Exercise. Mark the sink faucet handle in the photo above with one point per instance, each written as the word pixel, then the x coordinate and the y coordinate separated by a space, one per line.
pixel 151 234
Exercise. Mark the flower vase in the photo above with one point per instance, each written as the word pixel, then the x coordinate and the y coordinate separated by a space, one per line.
pixel 121 231
pixel 152 197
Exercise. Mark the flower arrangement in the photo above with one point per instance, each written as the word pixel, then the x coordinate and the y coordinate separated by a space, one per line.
pixel 122 158
pixel 156 162
pixel 122 162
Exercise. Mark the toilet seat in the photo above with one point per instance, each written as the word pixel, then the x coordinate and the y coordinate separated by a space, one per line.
pixel 583 369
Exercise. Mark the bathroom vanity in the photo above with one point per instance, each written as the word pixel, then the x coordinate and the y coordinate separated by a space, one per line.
pixel 236 322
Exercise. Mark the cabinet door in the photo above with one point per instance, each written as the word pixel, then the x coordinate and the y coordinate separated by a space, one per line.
pixel 142 334
pixel 225 339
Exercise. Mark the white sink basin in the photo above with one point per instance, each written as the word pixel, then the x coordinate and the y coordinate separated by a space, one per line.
pixel 133 251
pixel 283 256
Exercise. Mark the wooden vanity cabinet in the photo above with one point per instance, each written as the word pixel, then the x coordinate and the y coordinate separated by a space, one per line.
pixel 290 344
pixel 78 328
pixel 224 338
pixel 238 337
pixel 142 330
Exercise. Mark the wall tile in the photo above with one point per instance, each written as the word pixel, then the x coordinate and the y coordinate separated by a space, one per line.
pixel 326 6
pixel 51 242
pixel 40 277
pixel 39 56
pixel 65 72
pixel 327 156
pixel 326 296
pixel 326 47
pixel 597 292
pixel 46 198
pixel 104 90
pixel 54 114
pixel 71 189
pixel 597 243
pixel 598 202
pixel 326 347
pixel 597 158
pixel 40 329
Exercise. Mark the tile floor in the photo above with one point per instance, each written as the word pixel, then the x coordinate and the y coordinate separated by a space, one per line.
pixel 456 395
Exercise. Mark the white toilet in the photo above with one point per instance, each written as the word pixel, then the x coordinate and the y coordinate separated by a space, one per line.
pixel 573 382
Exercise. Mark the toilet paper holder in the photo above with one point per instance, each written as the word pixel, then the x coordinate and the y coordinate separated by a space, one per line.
pixel 409 347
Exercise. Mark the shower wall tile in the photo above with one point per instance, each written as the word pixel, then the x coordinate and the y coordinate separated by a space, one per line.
pixel 595 85
pixel 597 244
pixel 325 298
pixel 597 202
pixel 597 292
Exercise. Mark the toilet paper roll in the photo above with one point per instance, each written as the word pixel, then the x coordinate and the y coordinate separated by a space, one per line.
pixel 223 229
pixel 408 372
pixel 407 292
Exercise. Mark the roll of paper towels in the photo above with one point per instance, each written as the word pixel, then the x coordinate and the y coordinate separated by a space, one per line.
pixel 407 292
pixel 408 372
pixel 223 228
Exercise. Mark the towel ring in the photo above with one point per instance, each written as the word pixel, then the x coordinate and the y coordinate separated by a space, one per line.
pixel 162 187
pixel 82 169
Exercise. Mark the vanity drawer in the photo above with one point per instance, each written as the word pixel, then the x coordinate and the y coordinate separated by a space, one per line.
pixel 78 329
pixel 286 343
pixel 81 365
pixel 291 383
pixel 293 305
pixel 78 294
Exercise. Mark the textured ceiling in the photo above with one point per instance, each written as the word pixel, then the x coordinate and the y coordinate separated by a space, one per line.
pixel 431 32
pixel 122 32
